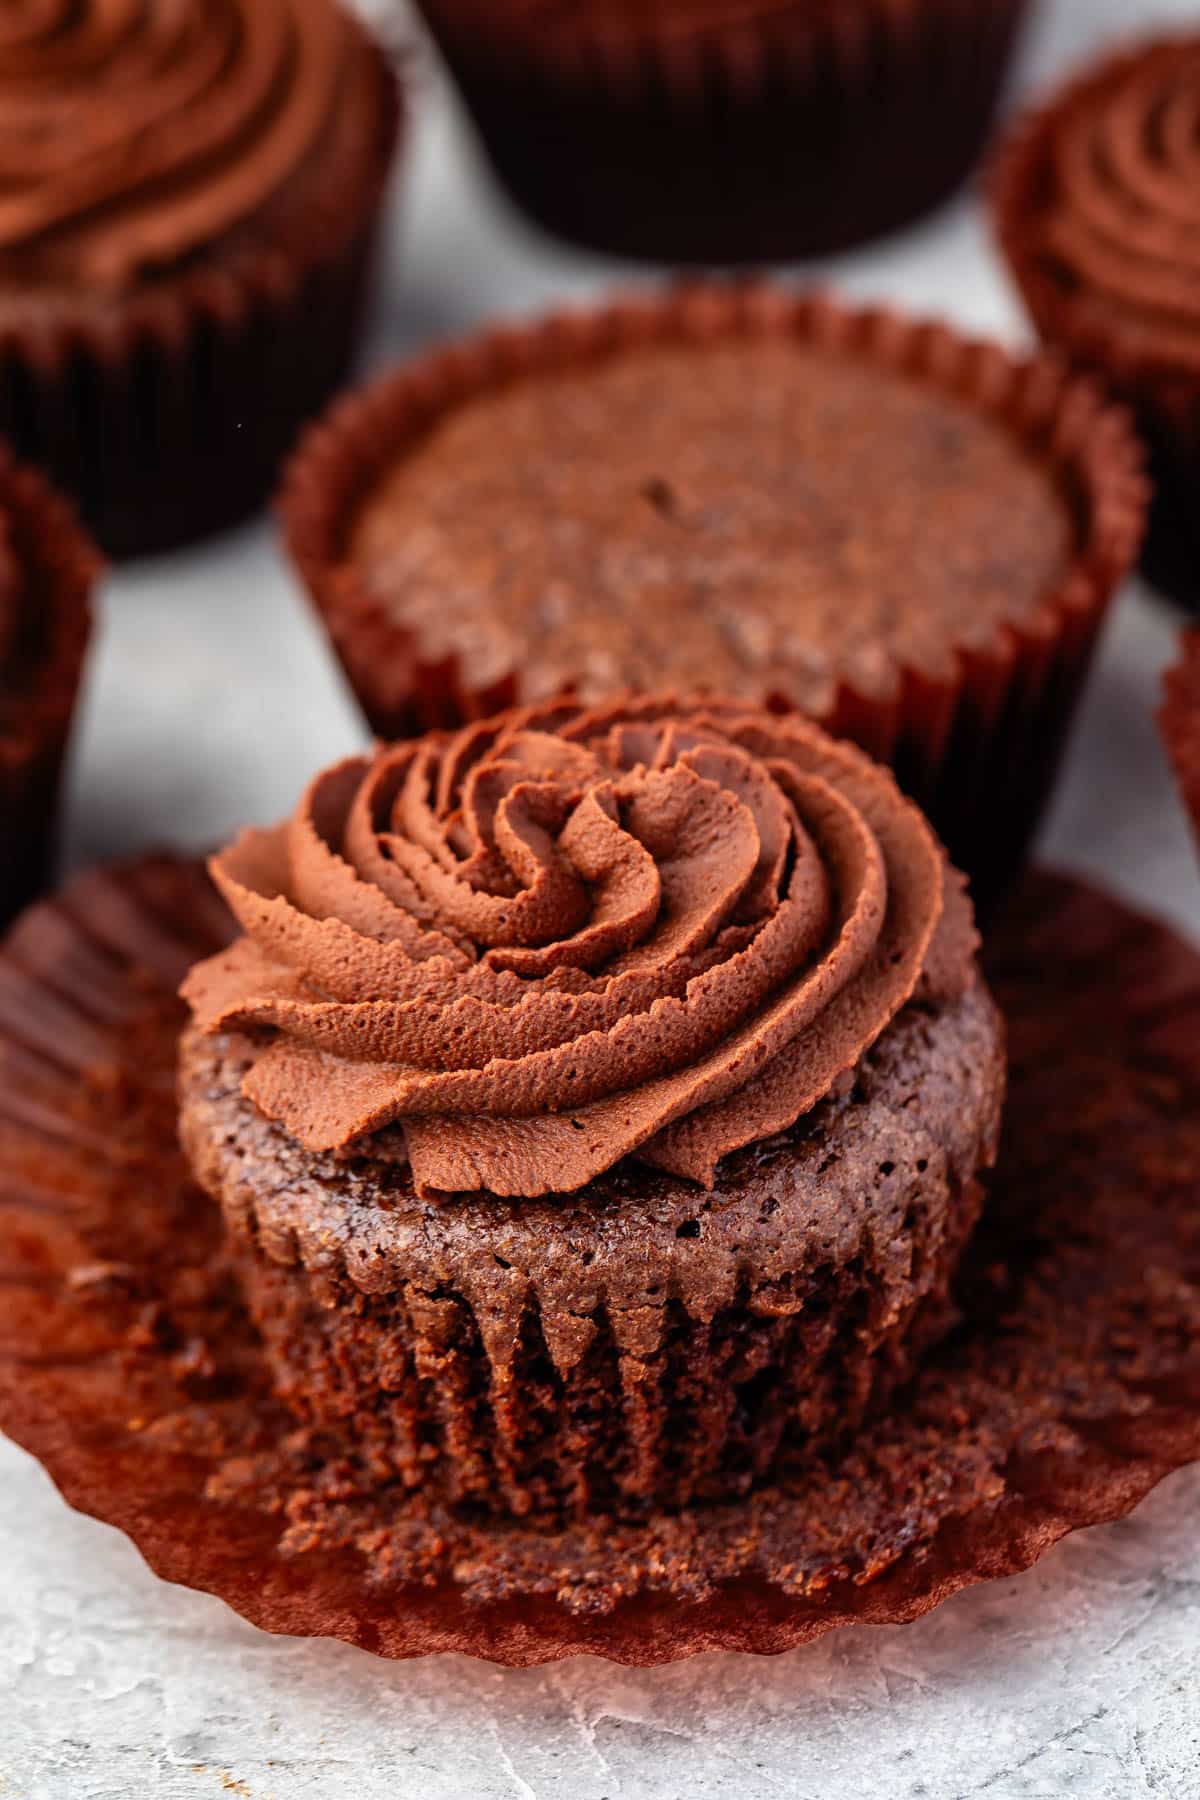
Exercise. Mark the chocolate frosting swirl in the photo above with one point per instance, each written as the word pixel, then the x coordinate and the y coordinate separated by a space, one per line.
pixel 561 937
pixel 135 132
pixel 1121 229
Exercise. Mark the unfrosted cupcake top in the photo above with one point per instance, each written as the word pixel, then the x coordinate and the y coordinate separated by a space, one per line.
pixel 135 133
pixel 759 516
pixel 1110 207
pixel 563 937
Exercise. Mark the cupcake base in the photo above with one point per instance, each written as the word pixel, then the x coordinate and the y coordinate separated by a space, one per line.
pixel 172 444
pixel 770 138
pixel 128 1365
pixel 640 1346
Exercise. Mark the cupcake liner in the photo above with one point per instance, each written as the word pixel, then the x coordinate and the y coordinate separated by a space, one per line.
pixel 1180 721
pixel 1162 390
pixel 167 415
pixel 58 568
pixel 773 131
pixel 978 748
pixel 128 1366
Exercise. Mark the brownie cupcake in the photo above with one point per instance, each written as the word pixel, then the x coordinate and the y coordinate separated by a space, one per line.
pixel 596 1101
pixel 910 536
pixel 1180 720
pixel 1097 204
pixel 728 130
pixel 47 568
pixel 189 198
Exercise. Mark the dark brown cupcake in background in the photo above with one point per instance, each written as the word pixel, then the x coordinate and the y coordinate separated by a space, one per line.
pixel 1180 719
pixel 1097 206
pixel 728 130
pixel 596 1101
pixel 189 200
pixel 47 569
pixel 911 536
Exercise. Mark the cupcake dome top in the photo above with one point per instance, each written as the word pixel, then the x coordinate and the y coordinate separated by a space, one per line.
pixel 697 513
pixel 135 133
pixel 559 938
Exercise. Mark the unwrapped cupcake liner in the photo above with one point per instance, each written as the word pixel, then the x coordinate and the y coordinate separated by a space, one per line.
pixel 977 749
pixel 57 568
pixel 1162 391
pixel 740 134
pixel 166 416
pixel 129 1367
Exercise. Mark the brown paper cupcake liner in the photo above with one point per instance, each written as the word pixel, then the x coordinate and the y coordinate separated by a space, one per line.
pixel 167 416
pixel 57 569
pixel 128 1366
pixel 978 748
pixel 771 131
pixel 1163 392
pixel 1180 720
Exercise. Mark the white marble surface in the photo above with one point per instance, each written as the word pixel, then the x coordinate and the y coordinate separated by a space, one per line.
pixel 211 699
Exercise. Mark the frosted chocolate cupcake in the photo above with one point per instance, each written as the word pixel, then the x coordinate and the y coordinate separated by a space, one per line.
pixel 187 200
pixel 910 536
pixel 728 130
pixel 596 1100
pixel 47 568
pixel 1097 202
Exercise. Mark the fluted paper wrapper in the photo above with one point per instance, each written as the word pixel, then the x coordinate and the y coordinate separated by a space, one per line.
pixel 771 132
pixel 128 1366
pixel 977 748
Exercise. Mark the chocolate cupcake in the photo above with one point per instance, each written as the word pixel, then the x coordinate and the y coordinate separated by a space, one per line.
pixel 1180 720
pixel 728 130
pixel 47 568
pixel 911 536
pixel 129 1367
pixel 189 199
pixel 596 1101
pixel 1097 204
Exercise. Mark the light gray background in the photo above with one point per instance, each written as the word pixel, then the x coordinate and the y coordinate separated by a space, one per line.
pixel 211 699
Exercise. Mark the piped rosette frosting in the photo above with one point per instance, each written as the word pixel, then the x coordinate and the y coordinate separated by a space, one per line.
pixel 136 132
pixel 562 937
pixel 1119 226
